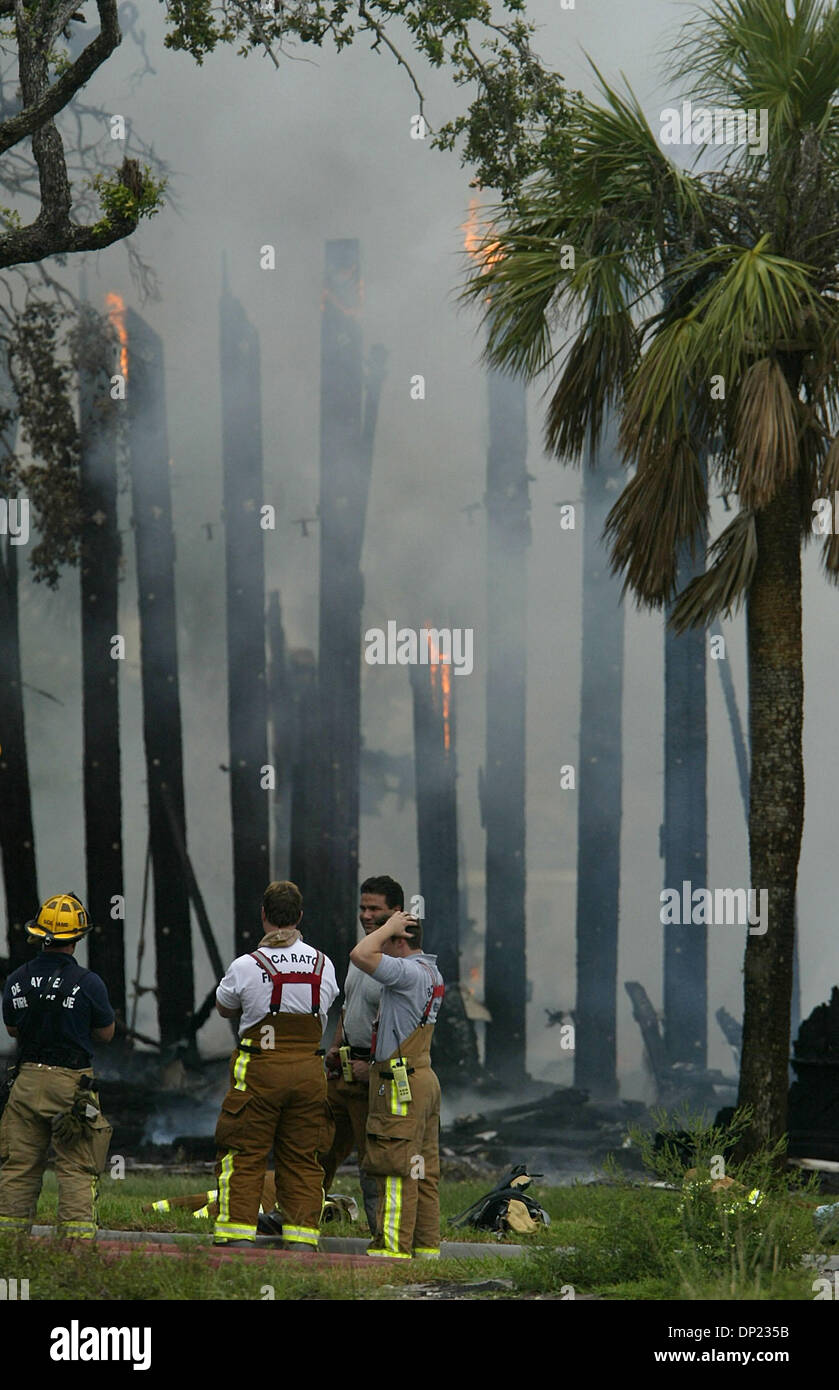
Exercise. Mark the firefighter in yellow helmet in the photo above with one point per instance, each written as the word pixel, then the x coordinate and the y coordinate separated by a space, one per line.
pixel 55 1009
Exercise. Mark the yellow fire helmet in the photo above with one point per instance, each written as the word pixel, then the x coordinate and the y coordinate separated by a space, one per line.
pixel 61 919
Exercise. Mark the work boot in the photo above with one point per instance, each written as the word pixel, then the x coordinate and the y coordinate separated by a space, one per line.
pixel 269 1223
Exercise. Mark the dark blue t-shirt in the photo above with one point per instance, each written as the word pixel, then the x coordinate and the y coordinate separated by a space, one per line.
pixel 73 1000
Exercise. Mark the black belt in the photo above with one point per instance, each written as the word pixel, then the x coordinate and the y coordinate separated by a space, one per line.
pixel 72 1059
pixel 246 1046
pixel 360 1054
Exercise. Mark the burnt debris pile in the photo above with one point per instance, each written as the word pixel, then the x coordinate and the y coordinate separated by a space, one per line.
pixel 561 1133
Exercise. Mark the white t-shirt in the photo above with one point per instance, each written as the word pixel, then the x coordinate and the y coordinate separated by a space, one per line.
pixel 247 986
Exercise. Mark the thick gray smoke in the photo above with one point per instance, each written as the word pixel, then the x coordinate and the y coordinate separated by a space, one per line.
pixel 322 149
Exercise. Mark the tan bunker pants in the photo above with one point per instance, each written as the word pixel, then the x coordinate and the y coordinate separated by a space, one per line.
pixel 277 1099
pixel 348 1102
pixel 39 1097
pixel 403 1152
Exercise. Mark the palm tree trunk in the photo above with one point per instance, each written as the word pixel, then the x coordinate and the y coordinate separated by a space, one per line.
pixel 776 810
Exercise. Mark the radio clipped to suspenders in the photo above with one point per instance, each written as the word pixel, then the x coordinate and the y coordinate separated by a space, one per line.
pixel 346 1062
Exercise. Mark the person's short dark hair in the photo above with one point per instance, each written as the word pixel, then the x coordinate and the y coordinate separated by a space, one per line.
pixel 283 903
pixel 389 889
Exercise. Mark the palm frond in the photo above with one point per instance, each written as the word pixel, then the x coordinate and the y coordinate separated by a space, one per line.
pixel 757 300
pixel 725 583
pixel 814 451
pixel 657 404
pixel 515 277
pixel 830 558
pixel 765 433
pixel 615 204
pixel 764 55
pixel 830 470
pixel 600 358
pixel 663 506
pixel 618 157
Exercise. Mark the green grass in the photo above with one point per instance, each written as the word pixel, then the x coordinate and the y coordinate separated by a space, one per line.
pixel 614 1242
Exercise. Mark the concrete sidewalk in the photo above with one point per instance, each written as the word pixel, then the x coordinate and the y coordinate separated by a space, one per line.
pixel 329 1245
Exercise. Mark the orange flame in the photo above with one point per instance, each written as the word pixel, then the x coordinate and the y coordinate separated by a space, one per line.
pixel 446 682
pixel 445 670
pixel 476 236
pixel 116 315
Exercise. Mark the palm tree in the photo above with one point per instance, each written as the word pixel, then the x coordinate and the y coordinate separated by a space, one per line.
pixel 703 307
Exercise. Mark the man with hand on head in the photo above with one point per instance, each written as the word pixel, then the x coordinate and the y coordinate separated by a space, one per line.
pixel 403 1122
pixel 348 1071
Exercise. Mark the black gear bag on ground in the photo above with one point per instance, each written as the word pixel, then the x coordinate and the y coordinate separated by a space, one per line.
pixel 507 1207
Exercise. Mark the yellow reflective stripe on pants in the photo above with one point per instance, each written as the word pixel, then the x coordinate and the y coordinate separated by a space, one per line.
pixel 205 1210
pixel 224 1186
pixel 161 1206
pixel 77 1230
pixel 301 1235
pixel 230 1230
pixel 240 1067
pixel 392 1217
pixel 426 1253
pixel 16 1223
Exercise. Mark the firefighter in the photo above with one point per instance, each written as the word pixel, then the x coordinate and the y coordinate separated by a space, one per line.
pixel 56 1009
pixel 403 1121
pixel 348 1093
pixel 277 1095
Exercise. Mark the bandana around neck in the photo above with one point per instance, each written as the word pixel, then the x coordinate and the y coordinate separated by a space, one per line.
pixel 281 936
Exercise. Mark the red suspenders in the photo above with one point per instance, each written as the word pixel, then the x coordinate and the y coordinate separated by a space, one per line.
pixel 437 993
pixel 297 977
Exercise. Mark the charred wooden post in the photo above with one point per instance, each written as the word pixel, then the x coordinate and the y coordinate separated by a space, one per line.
pixel 100 553
pixel 281 715
pixel 599 784
pixel 247 711
pixel 684 831
pixel 503 800
pixel 346 441
pixel 654 1045
pixel 455 1046
pixel 304 837
pixel 155 545
pixel 813 1117
pixel 17 837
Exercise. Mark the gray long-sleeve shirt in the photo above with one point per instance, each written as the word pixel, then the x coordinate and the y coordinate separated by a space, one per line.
pixel 409 983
